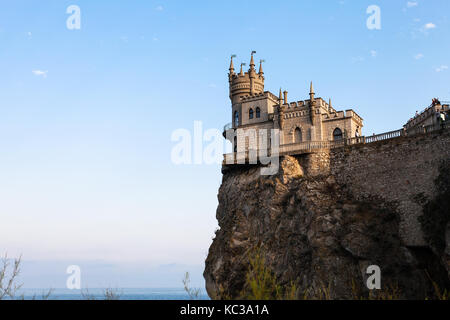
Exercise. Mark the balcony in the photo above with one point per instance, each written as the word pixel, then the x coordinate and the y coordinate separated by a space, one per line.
pixel 228 126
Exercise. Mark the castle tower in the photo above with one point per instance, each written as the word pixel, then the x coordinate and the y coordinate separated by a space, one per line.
pixel 245 84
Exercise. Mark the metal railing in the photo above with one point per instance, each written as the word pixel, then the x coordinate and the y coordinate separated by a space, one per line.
pixel 384 136
pixel 307 146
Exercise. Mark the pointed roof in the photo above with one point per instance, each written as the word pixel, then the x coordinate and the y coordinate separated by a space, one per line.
pixel 311 89
pixel 280 96
pixel 231 64
pixel 242 72
pixel 252 61
pixel 260 67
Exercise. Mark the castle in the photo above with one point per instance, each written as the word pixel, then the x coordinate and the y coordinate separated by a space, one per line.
pixel 257 113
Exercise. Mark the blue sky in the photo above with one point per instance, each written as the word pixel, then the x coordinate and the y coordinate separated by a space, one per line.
pixel 86 115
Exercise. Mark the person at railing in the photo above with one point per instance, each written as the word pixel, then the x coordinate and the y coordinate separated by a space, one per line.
pixel 442 119
pixel 446 115
pixel 435 102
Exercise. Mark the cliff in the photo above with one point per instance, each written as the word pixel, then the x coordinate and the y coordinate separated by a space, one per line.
pixel 324 217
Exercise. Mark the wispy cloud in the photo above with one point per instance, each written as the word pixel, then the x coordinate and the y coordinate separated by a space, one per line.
pixel 429 26
pixel 426 28
pixel 418 56
pixel 357 59
pixel 412 4
pixel 373 53
pixel 40 73
pixel 441 68
pixel 159 8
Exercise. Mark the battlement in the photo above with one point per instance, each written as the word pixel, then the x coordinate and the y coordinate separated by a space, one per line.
pixel 236 78
pixel 426 117
pixel 350 113
pixel 329 112
pixel 320 102
pixel 258 96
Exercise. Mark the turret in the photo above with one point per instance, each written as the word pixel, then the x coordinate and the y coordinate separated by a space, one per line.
pixel 311 92
pixel 244 84
pixel 281 110
pixel 252 61
pixel 252 74
pixel 231 69
pixel 261 72
pixel 241 73
pixel 312 104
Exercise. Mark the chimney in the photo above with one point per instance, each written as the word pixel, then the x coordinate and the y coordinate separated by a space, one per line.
pixel 285 97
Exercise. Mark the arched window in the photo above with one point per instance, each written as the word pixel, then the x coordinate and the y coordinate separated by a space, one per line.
pixel 250 113
pixel 236 119
pixel 337 134
pixel 297 135
pixel 258 112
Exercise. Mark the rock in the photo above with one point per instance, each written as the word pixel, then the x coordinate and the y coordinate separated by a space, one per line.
pixel 312 233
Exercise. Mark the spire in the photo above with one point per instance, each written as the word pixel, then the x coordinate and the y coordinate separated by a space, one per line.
pixel 280 97
pixel 242 72
pixel 312 104
pixel 252 61
pixel 231 64
pixel 311 93
pixel 261 72
pixel 311 90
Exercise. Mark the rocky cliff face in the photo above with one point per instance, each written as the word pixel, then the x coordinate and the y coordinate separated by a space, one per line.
pixel 317 231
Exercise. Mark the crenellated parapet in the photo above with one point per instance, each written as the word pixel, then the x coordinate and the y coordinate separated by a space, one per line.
pixel 340 115
pixel 258 96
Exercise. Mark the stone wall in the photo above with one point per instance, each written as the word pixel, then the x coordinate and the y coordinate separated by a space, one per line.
pixel 400 171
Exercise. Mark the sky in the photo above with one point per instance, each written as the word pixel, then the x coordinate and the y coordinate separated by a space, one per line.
pixel 87 115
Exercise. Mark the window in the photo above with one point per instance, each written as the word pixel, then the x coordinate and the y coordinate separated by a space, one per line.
pixel 236 119
pixel 297 135
pixel 258 112
pixel 337 134
pixel 250 113
pixel 235 144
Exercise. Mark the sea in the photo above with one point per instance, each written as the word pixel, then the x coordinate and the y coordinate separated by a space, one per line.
pixel 99 294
